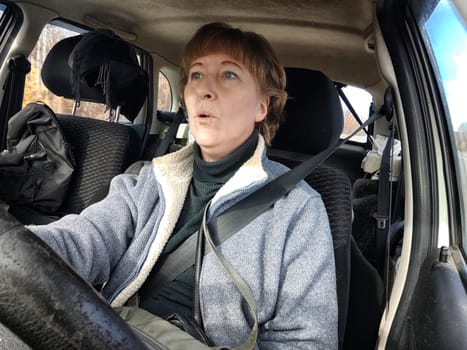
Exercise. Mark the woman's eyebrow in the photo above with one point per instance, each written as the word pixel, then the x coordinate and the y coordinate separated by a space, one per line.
pixel 194 64
pixel 226 62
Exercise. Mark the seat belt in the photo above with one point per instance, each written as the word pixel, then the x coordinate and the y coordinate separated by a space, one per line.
pixel 246 210
pixel 382 214
pixel 382 207
pixel 171 133
pixel 13 92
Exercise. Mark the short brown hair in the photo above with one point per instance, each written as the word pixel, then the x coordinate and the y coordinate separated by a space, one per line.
pixel 253 51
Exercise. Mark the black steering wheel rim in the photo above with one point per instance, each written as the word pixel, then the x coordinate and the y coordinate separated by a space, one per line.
pixel 47 304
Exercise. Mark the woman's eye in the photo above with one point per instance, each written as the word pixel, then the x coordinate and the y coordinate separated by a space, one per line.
pixel 230 75
pixel 195 75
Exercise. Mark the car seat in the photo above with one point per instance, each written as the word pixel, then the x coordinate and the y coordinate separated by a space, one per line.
pixel 314 122
pixel 97 67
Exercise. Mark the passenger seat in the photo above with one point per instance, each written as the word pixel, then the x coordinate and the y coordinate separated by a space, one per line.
pixel 102 149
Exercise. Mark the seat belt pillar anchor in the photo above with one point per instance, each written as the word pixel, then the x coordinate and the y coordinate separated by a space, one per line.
pixel 381 221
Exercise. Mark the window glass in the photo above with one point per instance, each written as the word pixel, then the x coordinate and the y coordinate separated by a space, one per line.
pixel 164 94
pixel 360 100
pixel 35 90
pixel 10 21
pixel 446 34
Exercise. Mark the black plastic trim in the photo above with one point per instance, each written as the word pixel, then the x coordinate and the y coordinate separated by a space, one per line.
pixel 10 23
pixel 438 317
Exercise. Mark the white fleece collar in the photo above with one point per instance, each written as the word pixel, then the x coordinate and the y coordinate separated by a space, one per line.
pixel 180 163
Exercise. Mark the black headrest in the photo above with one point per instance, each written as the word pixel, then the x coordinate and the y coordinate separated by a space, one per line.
pixel 98 67
pixel 313 112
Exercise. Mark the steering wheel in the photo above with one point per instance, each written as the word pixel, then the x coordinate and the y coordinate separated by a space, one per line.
pixel 47 304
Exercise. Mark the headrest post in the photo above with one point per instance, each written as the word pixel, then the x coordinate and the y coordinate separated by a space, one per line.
pixel 75 107
pixel 117 113
pixel 114 114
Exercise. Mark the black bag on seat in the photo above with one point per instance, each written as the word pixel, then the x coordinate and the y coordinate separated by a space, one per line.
pixel 36 167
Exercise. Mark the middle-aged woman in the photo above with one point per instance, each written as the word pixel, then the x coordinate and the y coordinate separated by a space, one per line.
pixel 233 90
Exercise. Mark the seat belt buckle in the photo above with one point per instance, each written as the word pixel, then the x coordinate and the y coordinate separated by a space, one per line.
pixel 381 221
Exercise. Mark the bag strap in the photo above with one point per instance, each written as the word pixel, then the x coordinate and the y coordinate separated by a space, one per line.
pixel 237 280
pixel 242 213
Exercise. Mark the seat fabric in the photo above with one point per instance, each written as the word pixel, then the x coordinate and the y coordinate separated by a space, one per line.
pixel 102 150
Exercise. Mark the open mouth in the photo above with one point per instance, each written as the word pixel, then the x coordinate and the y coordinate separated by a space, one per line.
pixel 203 115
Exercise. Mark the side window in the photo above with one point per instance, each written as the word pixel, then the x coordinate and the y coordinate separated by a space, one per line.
pixel 35 90
pixel 164 94
pixel 360 101
pixel 445 33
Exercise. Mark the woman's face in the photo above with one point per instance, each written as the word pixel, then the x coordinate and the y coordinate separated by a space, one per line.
pixel 223 102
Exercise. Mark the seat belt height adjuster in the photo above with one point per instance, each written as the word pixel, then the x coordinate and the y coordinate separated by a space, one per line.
pixel 381 221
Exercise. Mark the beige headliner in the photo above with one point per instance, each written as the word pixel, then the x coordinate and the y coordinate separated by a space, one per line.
pixel 328 35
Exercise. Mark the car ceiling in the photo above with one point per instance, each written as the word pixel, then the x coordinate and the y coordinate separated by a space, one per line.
pixel 334 36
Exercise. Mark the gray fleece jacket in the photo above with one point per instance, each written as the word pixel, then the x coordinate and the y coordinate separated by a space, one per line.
pixel 285 255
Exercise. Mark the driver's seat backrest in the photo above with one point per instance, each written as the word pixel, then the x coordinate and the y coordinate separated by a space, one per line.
pixel 84 68
pixel 313 122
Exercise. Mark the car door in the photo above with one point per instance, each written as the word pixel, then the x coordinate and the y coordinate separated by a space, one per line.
pixel 427 43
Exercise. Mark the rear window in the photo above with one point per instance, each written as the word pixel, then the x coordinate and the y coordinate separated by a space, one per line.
pixel 164 94
pixel 361 102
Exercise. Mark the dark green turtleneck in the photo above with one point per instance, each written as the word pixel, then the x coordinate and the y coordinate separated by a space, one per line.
pixel 208 177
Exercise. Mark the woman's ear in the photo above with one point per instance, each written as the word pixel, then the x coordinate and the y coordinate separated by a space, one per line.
pixel 263 109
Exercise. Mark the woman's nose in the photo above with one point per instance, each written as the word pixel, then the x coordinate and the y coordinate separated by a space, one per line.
pixel 207 89
pixel 207 96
